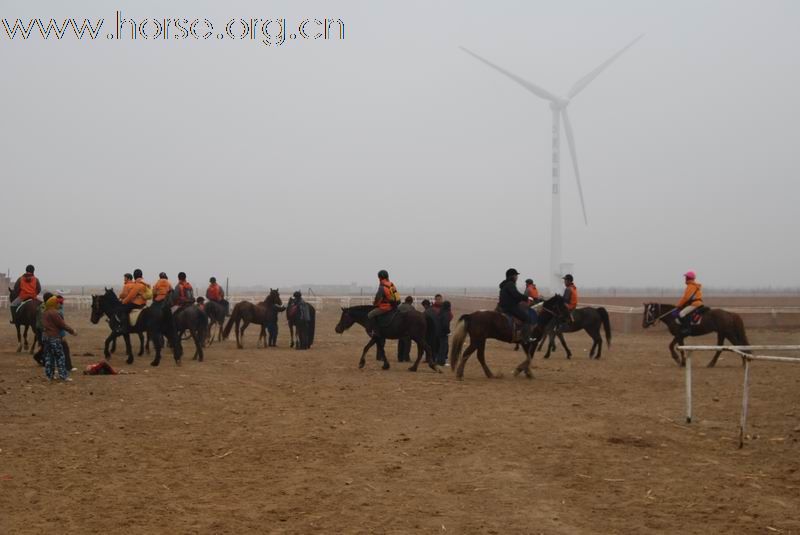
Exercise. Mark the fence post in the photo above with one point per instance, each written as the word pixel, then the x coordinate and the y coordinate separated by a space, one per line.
pixel 688 387
pixel 745 396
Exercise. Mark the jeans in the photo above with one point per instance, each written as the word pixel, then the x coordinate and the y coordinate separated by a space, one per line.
pixel 54 356
pixel 444 347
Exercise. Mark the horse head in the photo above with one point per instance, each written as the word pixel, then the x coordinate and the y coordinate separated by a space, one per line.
pixel 345 321
pixel 651 313
pixel 556 307
pixel 274 297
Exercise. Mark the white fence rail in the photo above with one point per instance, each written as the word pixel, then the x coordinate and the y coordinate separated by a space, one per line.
pixel 746 352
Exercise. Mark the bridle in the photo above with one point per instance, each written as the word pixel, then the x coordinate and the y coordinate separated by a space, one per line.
pixel 648 321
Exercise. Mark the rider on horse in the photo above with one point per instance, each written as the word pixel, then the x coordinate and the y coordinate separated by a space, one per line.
pixel 216 294
pixel 570 294
pixel 162 288
pixel 692 300
pixel 184 293
pixel 532 291
pixel 386 300
pixel 514 303
pixel 26 288
pixel 133 295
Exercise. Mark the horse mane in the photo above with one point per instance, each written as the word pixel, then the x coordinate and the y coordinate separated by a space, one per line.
pixel 359 310
pixel 111 295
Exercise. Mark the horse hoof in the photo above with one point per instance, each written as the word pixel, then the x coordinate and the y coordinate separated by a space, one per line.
pixel 154 363
pixel 177 362
pixel 129 361
pixel 385 367
pixel 361 364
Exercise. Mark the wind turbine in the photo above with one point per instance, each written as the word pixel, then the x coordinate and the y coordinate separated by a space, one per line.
pixel 558 106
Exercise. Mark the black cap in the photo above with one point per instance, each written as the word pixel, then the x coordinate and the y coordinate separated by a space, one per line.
pixel 137 273
pixel 212 280
pixel 510 272
pixel 568 277
pixel 182 275
pixel 383 274
pixel 29 268
pixel 528 281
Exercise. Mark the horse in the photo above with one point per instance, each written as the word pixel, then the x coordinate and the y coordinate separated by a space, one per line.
pixel 304 328
pixel 726 324
pixel 156 321
pixel 245 313
pixel 589 319
pixel 216 316
pixel 485 324
pixel 25 316
pixel 405 324
pixel 191 318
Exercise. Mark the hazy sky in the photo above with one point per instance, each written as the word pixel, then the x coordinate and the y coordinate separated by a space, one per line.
pixel 324 161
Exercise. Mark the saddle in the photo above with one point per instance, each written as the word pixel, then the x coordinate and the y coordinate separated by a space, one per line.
pixel 515 325
pixel 133 315
pixel 697 315
pixel 385 320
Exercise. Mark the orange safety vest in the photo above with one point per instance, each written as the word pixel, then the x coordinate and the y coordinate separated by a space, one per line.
pixel 28 287
pixel 573 298
pixel 135 293
pixel 214 292
pixel 389 296
pixel 182 287
pixel 161 290
pixel 532 291
pixel 693 295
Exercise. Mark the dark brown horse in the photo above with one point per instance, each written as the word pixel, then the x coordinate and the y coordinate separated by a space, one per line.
pixel 411 324
pixel 486 324
pixel 25 316
pixel 589 319
pixel 245 313
pixel 301 326
pixel 726 324
pixel 216 316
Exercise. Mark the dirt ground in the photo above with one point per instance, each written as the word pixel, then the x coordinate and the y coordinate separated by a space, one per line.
pixel 279 441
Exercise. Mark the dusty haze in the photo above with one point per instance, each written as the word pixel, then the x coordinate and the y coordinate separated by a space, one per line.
pixel 326 161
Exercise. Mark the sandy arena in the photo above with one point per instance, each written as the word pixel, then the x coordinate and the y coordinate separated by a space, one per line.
pixel 279 441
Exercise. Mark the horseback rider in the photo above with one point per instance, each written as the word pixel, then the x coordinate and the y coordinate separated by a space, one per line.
pixel 133 295
pixel 162 288
pixel 514 303
pixel 532 291
pixel 215 293
pixel 691 300
pixel 386 300
pixel 184 293
pixel 26 288
pixel 570 294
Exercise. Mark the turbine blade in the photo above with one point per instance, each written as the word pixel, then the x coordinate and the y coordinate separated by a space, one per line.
pixel 586 80
pixel 574 154
pixel 533 88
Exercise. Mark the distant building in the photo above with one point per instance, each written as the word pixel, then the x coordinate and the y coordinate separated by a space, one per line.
pixel 5 284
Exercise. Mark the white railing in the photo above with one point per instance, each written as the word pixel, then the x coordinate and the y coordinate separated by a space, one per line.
pixel 746 353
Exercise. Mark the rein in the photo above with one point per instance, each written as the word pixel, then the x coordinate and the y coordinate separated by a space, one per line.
pixel 662 316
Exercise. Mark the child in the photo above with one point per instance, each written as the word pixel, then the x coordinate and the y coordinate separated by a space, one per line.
pixel 52 327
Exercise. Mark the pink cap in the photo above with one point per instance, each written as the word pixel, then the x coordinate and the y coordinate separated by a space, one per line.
pixel 690 274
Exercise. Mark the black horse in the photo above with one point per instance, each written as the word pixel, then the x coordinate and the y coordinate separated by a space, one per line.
pixel 193 320
pixel 589 319
pixel 302 324
pixel 403 324
pixel 156 321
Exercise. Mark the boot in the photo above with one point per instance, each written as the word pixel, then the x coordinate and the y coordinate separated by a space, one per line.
pixel 686 325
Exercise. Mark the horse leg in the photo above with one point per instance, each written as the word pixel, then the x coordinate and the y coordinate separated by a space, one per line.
pixel 564 344
pixel 291 336
pixel 141 345
pixel 112 339
pixel 381 351
pixel 550 345
pixel 720 341
pixel 158 344
pixel 467 353
pixel 19 338
pixel 128 350
pixel 674 353
pixel 25 337
pixel 198 344
pixel 363 361
pixel 482 360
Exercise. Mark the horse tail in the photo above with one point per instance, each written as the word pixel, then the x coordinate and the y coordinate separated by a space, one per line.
pixel 202 329
pixel 431 335
pixel 606 324
pixel 233 319
pixel 459 336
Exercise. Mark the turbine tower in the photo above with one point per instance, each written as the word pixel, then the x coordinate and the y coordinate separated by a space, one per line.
pixel 558 106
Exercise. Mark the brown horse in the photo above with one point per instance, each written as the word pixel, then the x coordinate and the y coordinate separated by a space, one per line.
pixel 25 316
pixel 245 313
pixel 216 316
pixel 485 324
pixel 726 324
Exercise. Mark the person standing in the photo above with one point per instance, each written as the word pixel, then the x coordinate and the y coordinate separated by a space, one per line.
pixel 404 344
pixel 443 311
pixel 53 326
